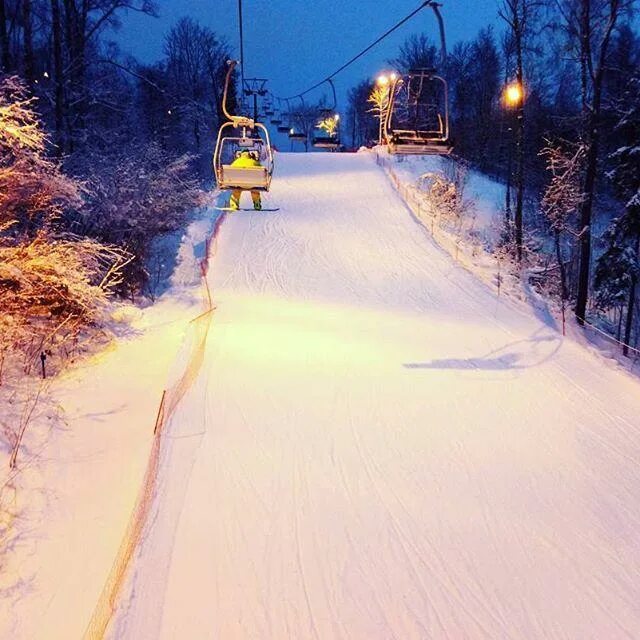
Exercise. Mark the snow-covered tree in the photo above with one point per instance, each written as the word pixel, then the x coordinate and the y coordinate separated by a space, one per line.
pixel 33 189
pixel 561 200
pixel 138 195
pixel 52 283
pixel 618 269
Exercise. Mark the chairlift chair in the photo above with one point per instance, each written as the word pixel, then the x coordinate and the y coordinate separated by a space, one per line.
pixel 417 120
pixel 297 136
pixel 323 139
pixel 239 134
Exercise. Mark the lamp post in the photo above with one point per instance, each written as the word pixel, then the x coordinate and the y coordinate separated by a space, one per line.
pixel 513 100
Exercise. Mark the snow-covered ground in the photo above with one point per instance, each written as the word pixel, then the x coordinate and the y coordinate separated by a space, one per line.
pixel 83 459
pixel 487 195
pixel 376 446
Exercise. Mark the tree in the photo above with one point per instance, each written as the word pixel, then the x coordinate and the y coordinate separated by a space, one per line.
pixel 379 98
pixel 589 25
pixel 618 268
pixel 52 283
pixel 518 15
pixel 362 123
pixel 5 58
pixel 139 194
pixel 561 200
pixel 196 67
pixel 416 52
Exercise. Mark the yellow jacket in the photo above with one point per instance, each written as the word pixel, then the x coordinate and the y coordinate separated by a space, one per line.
pixel 245 161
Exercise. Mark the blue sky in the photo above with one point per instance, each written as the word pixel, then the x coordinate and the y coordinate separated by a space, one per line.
pixel 295 43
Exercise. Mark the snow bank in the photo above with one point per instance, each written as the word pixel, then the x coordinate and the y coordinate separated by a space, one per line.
pixel 84 457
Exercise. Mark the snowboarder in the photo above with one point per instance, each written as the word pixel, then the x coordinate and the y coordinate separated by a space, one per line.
pixel 246 159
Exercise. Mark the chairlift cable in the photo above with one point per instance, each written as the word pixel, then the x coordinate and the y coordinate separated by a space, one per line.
pixel 241 45
pixel 426 3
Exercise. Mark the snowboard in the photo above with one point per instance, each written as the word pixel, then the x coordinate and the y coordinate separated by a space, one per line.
pixel 264 209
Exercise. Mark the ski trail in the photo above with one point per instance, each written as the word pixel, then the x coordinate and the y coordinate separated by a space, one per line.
pixel 384 449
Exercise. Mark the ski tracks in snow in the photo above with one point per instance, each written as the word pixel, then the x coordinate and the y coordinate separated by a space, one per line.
pixel 385 450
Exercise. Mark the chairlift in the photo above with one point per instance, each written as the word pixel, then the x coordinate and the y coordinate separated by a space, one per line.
pixel 294 134
pixel 242 133
pixel 417 118
pixel 276 118
pixel 327 131
pixel 297 136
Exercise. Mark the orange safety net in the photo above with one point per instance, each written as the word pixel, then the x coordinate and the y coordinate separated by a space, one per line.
pixel 197 333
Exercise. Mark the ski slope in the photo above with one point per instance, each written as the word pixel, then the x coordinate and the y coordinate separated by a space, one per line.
pixel 376 447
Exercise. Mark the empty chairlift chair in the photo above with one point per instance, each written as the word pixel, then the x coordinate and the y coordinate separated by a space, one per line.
pixel 417 120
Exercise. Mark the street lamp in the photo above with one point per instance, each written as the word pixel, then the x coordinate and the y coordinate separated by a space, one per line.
pixel 513 94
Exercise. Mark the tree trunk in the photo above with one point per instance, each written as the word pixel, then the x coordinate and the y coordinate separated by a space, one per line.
pixel 5 58
pixel 629 323
pixel 519 149
pixel 29 66
pixel 586 208
pixel 57 70
pixel 592 112
pixel 630 307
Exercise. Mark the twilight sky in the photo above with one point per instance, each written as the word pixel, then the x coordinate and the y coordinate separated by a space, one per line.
pixel 295 43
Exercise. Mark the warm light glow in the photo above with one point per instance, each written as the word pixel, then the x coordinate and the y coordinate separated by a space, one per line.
pixel 383 80
pixel 394 76
pixel 330 124
pixel 513 94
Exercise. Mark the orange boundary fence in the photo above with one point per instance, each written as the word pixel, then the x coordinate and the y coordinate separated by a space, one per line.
pixel 198 331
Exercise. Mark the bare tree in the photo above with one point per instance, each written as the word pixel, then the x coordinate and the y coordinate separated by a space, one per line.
pixel 195 60
pixel 589 25
pixel 5 59
pixel 561 200
pixel 518 16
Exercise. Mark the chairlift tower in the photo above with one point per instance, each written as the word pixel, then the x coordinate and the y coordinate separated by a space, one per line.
pixel 254 87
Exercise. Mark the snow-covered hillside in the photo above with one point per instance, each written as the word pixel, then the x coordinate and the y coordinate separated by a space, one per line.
pixel 376 446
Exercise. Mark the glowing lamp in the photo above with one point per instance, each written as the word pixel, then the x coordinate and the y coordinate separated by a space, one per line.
pixel 383 81
pixel 513 94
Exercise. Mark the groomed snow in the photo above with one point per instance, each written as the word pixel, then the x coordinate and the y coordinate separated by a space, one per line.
pixel 377 447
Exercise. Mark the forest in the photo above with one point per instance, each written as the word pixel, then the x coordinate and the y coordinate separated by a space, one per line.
pixel 100 157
